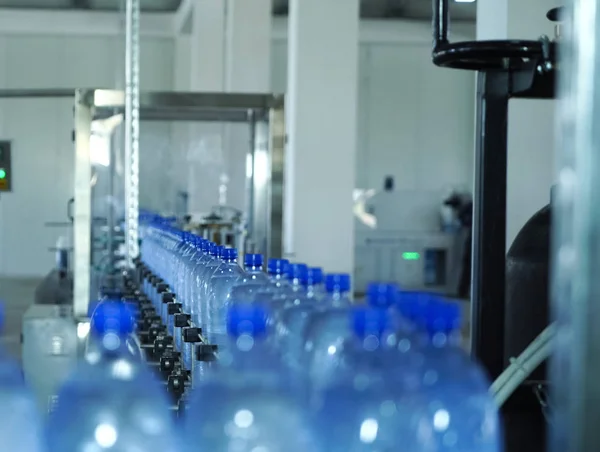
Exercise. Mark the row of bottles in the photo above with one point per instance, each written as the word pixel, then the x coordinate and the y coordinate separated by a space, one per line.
pixel 279 361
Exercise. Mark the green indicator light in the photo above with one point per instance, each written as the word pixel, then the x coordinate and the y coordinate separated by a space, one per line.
pixel 2 174
pixel 411 256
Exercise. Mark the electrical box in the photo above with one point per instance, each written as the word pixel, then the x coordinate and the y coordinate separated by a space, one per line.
pixel 5 166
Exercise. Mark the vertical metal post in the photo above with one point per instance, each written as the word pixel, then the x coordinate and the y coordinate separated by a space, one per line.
pixel 576 241
pixel 489 222
pixel 82 211
pixel 277 142
pixel 250 195
pixel 132 126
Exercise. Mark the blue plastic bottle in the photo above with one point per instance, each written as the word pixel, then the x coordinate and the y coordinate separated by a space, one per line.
pixel 314 283
pixel 202 280
pixel 221 283
pixel 245 403
pixel 253 266
pixel 367 406
pixel 113 403
pixel 337 287
pixel 277 270
pixel 454 394
pixel 94 347
pixel 201 261
pixel 20 429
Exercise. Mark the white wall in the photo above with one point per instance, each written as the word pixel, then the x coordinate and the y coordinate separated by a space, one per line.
pixel 41 132
pixel 415 121
pixel 401 96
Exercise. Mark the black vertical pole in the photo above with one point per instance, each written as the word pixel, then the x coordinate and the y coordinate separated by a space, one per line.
pixel 489 222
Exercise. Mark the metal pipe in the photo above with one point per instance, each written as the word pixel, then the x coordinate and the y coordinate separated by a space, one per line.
pixel 576 234
pixel 132 126
pixel 440 23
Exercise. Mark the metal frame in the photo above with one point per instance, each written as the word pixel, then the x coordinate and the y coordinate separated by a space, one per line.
pixel 576 253
pixel 506 69
pixel 266 111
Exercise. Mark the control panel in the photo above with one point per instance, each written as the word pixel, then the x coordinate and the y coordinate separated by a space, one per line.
pixel 5 166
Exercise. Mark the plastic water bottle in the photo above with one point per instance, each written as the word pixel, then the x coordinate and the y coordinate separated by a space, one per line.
pixel 113 403
pixel 94 347
pixel 454 393
pixel 202 281
pixel 185 293
pixel 201 260
pixel 314 283
pixel 327 330
pixel 221 283
pixel 337 288
pixel 277 270
pixel 20 429
pixel 368 405
pixel 297 275
pixel 245 403
pixel 253 266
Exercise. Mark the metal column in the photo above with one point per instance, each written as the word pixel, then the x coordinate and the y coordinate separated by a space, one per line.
pixel 489 222
pixel 132 126
pixel 82 215
pixel 576 277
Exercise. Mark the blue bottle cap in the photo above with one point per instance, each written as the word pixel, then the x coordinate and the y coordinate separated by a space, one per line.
pixel 246 319
pixel 220 250
pixel 205 245
pixel 367 321
pixel 213 249
pixel 297 271
pixel 337 282
pixel 381 295
pixel 277 266
pixel 112 316
pixel 442 317
pixel 229 254
pixel 253 260
pixel 315 276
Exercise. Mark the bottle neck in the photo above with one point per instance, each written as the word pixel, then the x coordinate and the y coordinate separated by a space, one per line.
pixel 253 269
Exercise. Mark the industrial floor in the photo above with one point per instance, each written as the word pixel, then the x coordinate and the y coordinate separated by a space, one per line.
pixel 16 295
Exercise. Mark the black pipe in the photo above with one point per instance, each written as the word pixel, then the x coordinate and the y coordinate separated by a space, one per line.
pixel 440 23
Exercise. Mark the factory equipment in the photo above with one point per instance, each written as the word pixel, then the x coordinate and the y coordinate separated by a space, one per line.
pixel 504 322
pixel 99 229
pixel 407 244
pixel 5 166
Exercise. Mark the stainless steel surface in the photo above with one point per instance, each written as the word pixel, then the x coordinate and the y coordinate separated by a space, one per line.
pixel 576 253
pixel 222 107
pixel 132 127
pixel 82 217
pixel 50 349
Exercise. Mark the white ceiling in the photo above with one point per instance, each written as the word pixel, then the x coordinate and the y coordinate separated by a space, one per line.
pixel 413 9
